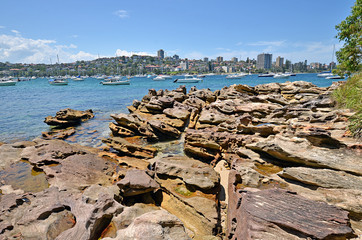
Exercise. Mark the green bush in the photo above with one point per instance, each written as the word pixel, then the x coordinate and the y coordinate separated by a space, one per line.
pixel 349 95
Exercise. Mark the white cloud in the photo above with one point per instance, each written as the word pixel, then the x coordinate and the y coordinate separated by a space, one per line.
pixel 16 32
pixel 122 13
pixel 268 43
pixel 2 27
pixel 239 44
pixel 120 52
pixel 25 50
pixel 74 36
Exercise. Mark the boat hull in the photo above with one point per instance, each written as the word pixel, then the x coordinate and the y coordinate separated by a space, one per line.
pixel 116 83
pixel 7 83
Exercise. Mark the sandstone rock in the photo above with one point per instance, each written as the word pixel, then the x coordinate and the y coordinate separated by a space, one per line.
pixel 177 112
pixel 137 182
pixel 157 225
pixel 323 177
pixel 320 137
pixel 194 102
pixel 267 88
pixel 129 149
pixel 265 215
pixel 163 130
pixel 157 104
pixel 54 214
pixel 300 151
pixel 68 166
pixel 69 117
pixel 58 133
pixel 130 121
pixel 212 116
pixel 120 131
pixel 176 123
pixel 191 171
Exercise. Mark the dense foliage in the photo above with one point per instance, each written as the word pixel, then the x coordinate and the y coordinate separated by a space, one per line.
pixel 350 31
pixel 349 95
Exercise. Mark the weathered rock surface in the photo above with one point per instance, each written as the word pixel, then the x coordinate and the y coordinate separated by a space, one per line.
pixel 68 166
pixel 158 225
pixel 323 177
pixel 69 117
pixel 126 148
pixel 300 151
pixel 254 214
pixel 137 182
pixel 192 172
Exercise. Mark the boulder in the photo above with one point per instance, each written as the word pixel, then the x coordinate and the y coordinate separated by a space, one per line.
pixel 137 182
pixel 212 116
pixel 130 121
pixel 163 130
pixel 69 117
pixel 192 172
pixel 177 112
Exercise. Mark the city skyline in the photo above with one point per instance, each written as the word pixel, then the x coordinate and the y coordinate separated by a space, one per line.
pixel 189 29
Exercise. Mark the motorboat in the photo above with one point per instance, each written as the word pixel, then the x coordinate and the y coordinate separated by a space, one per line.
pixel 291 74
pixel 115 81
pixel 325 74
pixel 58 81
pixel 266 75
pixel 281 75
pixel 201 75
pixel 79 78
pixel 236 76
pixel 160 78
pixel 7 82
pixel 335 77
pixel 188 79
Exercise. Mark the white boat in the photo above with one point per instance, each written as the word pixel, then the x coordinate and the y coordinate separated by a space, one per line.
pixel 58 81
pixel 116 81
pixel 325 74
pixel 79 78
pixel 7 82
pixel 335 77
pixel 266 75
pixel 188 79
pixel 281 75
pixel 236 76
pixel 201 75
pixel 160 78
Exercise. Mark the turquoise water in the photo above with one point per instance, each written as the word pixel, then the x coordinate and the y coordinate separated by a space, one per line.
pixel 23 107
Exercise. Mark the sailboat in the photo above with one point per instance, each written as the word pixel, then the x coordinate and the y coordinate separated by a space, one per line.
pixel 59 80
pixel 328 74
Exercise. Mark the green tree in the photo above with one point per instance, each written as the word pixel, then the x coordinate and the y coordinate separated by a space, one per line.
pixel 349 31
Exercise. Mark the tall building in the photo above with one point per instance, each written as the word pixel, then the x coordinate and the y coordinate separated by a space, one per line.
pixel 264 61
pixel 279 62
pixel 161 54
pixel 184 65
pixel 219 59
pixel 206 59
pixel 234 59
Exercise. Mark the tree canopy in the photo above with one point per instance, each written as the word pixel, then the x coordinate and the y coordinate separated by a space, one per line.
pixel 350 31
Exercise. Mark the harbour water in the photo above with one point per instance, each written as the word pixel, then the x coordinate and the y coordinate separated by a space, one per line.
pixel 23 107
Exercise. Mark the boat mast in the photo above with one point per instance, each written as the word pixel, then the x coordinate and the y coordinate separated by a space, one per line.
pixel 333 55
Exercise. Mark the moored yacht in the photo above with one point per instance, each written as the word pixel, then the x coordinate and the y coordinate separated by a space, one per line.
pixel 281 75
pixel 266 75
pixel 188 79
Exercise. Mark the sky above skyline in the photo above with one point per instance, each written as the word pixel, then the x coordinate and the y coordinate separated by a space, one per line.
pixel 36 31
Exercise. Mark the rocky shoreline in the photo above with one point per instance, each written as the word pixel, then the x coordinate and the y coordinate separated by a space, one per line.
pixel 274 161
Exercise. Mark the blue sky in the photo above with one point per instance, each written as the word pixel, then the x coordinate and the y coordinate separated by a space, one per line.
pixel 37 30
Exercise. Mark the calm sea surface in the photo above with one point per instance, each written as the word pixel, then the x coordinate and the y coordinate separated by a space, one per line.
pixel 23 107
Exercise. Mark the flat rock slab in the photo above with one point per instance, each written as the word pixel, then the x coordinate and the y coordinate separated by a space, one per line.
pixel 299 150
pixel 302 217
pixel 323 177
pixel 137 182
